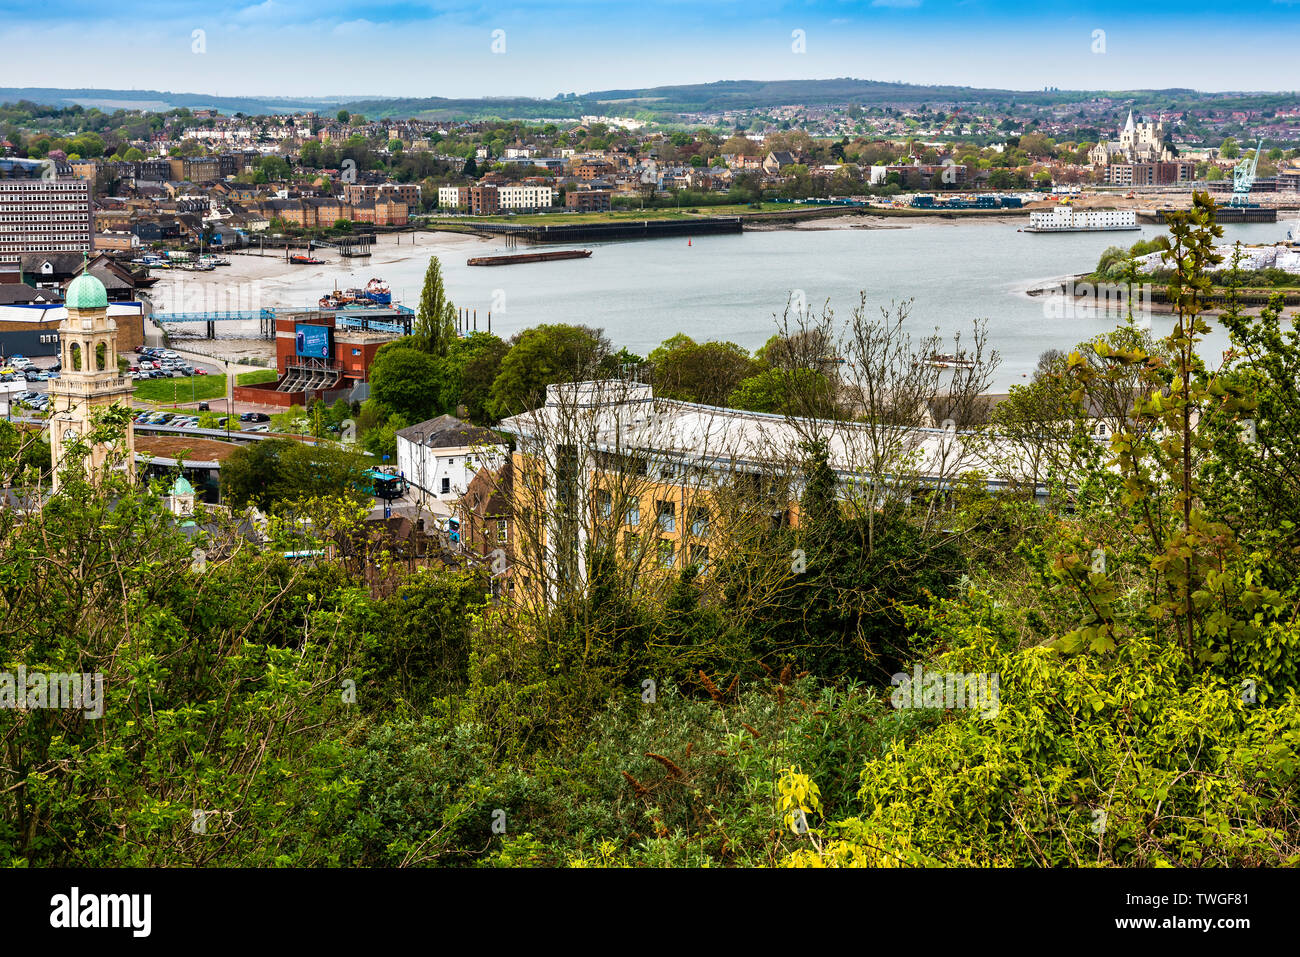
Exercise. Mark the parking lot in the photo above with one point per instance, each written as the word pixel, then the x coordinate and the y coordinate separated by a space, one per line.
pixel 25 382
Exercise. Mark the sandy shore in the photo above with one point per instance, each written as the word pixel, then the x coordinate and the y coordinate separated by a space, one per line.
pixel 256 281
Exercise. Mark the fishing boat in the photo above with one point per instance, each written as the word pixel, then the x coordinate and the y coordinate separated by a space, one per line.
pixel 300 260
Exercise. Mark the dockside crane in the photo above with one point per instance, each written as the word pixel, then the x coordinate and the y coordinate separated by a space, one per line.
pixel 1243 177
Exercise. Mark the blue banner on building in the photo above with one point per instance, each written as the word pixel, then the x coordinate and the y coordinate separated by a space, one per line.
pixel 313 341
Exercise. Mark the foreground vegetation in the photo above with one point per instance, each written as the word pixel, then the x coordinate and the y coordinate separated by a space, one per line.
pixel 359 711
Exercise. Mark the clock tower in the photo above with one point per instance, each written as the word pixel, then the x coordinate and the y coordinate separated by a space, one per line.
pixel 89 382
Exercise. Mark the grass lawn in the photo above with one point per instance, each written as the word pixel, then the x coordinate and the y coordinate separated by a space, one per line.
pixel 189 389
pixel 197 388
pixel 256 376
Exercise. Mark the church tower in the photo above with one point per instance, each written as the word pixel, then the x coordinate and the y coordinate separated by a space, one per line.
pixel 89 381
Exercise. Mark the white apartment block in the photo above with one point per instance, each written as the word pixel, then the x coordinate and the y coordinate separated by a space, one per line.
pixel 523 197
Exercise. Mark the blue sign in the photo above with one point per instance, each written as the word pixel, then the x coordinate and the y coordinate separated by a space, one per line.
pixel 313 341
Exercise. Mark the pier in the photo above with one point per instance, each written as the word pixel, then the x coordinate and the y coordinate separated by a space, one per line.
pixel 393 318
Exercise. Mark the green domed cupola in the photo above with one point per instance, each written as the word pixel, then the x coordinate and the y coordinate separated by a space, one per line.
pixel 86 292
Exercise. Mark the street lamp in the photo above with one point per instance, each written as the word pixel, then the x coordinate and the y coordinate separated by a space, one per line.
pixel 419 436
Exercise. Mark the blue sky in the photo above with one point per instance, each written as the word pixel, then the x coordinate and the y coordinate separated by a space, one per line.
pixel 445 48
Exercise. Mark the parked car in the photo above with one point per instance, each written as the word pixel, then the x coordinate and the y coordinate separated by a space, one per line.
pixel 200 372
pixel 34 375
pixel 254 417
pixel 52 374
pixel 259 428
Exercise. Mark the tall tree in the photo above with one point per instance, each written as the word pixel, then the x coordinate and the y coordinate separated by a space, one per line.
pixel 435 321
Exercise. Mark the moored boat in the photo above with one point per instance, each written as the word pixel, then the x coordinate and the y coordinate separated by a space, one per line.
pixel 515 258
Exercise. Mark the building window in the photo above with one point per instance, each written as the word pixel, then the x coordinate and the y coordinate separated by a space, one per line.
pixel 632 512
pixel 667 554
pixel 446 486
pixel 667 516
pixel 700 522
pixel 502 531
pixel 604 503
pixel 700 558
pixel 631 546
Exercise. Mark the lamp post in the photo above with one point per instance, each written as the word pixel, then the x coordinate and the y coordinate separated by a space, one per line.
pixel 419 436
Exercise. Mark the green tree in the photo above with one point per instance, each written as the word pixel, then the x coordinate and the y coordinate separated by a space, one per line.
pixel 281 470
pixel 542 356
pixel 407 381
pixel 467 373
pixel 707 373
pixel 435 319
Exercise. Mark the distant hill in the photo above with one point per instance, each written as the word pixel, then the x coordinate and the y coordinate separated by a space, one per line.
pixel 505 108
pixel 667 101
pixel 158 100
pixel 659 101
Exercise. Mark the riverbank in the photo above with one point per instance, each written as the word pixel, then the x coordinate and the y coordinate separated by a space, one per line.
pixel 255 281
pixel 771 217
pixel 1084 287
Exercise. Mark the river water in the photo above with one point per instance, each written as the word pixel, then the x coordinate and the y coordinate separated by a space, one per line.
pixel 733 287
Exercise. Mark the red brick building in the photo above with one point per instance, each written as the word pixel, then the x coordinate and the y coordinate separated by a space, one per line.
pixel 307 377
pixel 357 193
pixel 587 200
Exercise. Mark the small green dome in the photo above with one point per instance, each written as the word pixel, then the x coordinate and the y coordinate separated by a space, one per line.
pixel 181 487
pixel 86 292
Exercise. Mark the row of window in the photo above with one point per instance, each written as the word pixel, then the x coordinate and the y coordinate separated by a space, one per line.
pixel 61 186
pixel 52 248
pixel 666 551
pixel 665 513
pixel 46 209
